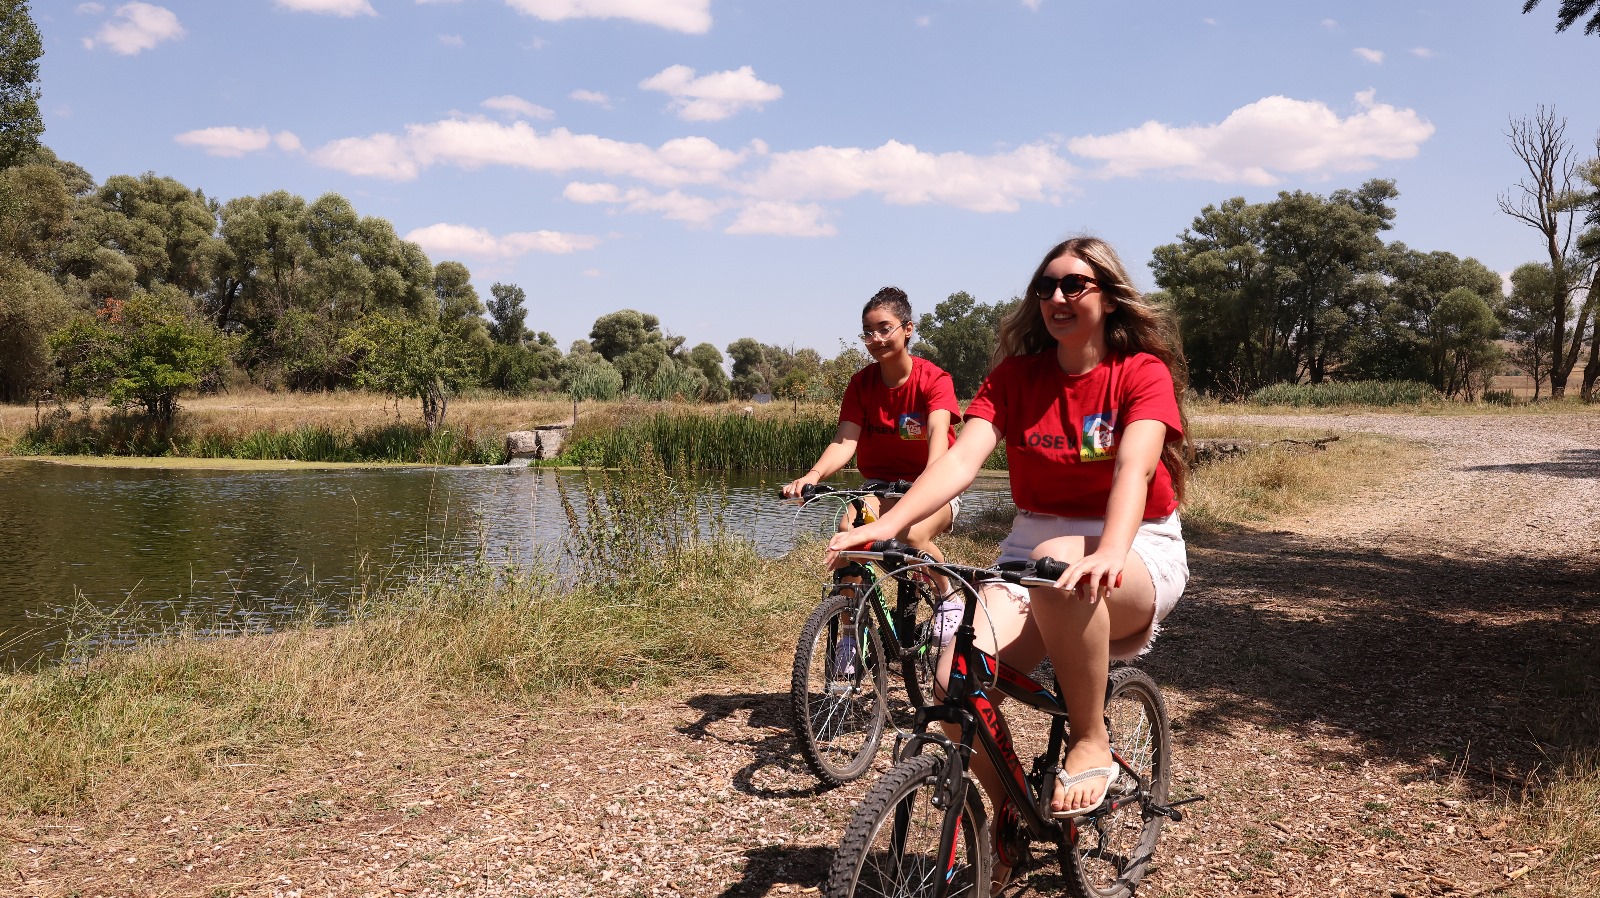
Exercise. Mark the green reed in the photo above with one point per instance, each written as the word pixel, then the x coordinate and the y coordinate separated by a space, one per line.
pixel 728 442
pixel 130 435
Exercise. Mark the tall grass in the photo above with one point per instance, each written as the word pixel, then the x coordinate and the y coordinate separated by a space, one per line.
pixel 1383 393
pixel 692 441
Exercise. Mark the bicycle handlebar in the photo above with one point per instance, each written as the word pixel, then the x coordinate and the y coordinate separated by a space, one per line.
pixel 881 488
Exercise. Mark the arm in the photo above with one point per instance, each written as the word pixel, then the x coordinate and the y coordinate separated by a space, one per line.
pixel 1095 575
pixel 942 481
pixel 835 457
pixel 938 434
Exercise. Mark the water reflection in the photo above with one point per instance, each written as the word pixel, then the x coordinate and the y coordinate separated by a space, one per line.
pixel 248 548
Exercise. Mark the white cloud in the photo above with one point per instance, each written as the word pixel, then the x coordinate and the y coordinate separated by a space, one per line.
pixel 782 220
pixel 1329 23
pixel 1423 52
pixel 473 143
pixel 380 156
pixel 517 106
pixel 89 9
pixel 690 16
pixel 454 240
pixel 342 8
pixel 923 21
pixel 673 205
pixel 1373 56
pixel 593 273
pixel 452 40
pixel 591 96
pixel 1258 143
pixel 712 97
pixel 135 28
pixel 904 175
pixel 235 142
pixel 1212 22
pixel 1032 4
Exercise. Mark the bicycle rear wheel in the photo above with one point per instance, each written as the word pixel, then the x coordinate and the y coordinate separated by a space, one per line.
pixel 915 619
pixel 1113 849
pixel 892 846
pixel 837 690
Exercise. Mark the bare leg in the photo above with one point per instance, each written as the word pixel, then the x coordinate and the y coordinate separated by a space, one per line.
pixel 1078 634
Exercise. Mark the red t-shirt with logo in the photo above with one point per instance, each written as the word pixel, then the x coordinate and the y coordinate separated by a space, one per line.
pixel 894 422
pixel 1062 430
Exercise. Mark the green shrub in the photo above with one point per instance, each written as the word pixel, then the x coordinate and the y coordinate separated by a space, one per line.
pixel 1382 393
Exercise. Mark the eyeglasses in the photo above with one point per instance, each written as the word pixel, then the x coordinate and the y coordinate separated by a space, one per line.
pixel 1071 286
pixel 881 333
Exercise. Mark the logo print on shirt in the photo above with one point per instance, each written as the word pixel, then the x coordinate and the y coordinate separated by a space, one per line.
pixel 913 426
pixel 1099 436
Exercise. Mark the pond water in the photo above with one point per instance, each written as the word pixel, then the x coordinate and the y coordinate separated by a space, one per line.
pixel 243 549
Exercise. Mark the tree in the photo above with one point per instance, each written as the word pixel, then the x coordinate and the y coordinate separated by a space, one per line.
pixel 1570 12
pixel 1273 292
pixel 634 344
pixel 507 314
pixel 1526 321
pixel 1543 201
pixel 459 310
pixel 959 336
pixel 143 351
pixel 1589 255
pixel 32 307
pixel 409 357
pixel 1425 314
pixel 20 49
pixel 708 360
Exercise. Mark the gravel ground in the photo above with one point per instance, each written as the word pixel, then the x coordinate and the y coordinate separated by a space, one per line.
pixel 1349 690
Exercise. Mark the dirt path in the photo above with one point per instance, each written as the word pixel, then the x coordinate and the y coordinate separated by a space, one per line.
pixel 1350 690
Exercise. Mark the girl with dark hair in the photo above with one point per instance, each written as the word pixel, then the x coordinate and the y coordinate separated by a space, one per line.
pixel 1085 394
pixel 897 417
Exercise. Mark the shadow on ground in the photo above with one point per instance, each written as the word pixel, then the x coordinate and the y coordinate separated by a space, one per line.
pixel 1424 658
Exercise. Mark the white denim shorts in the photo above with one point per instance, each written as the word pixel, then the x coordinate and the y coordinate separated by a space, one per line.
pixel 1159 544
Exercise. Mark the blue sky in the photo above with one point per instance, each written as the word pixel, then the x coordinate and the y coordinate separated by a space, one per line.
pixel 760 168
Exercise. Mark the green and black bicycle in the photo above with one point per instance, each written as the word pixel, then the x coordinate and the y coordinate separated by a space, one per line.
pixel 839 689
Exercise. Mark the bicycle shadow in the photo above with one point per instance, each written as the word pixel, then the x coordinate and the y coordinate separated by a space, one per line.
pixel 777 770
pixel 1571 463
pixel 775 865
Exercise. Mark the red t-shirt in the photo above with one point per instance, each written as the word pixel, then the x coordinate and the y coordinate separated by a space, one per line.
pixel 894 423
pixel 1062 430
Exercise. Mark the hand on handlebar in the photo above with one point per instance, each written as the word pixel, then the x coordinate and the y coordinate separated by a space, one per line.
pixel 856 538
pixel 795 488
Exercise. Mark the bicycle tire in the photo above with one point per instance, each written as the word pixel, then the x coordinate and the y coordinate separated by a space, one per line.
pixel 838 716
pixel 891 847
pixel 919 666
pixel 1113 850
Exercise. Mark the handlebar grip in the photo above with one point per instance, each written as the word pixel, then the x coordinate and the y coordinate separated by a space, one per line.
pixel 809 490
pixel 1048 568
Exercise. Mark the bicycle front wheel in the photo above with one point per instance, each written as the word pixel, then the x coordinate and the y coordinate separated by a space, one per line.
pixel 1113 849
pixel 838 690
pixel 894 845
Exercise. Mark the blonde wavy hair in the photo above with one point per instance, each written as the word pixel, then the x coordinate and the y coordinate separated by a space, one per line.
pixel 1132 325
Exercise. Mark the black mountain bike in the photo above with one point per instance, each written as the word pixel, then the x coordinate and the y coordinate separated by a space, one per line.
pixel 838 690
pixel 922 830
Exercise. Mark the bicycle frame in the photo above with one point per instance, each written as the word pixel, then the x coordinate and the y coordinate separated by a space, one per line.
pixel 968 704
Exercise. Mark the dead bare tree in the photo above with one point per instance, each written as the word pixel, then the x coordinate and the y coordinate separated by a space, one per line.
pixel 1543 201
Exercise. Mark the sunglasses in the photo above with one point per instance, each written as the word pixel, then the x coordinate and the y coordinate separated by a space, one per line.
pixel 1071 286
pixel 881 333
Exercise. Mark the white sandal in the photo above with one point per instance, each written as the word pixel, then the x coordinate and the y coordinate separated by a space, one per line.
pixel 1066 782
